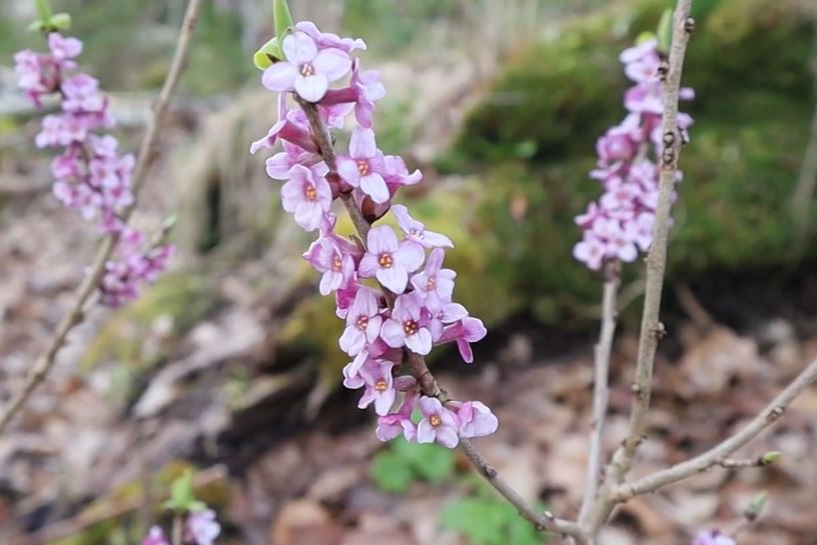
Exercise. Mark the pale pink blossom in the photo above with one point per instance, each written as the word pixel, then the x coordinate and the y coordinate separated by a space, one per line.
pixel 406 326
pixel 439 425
pixel 389 260
pixel 364 167
pixel 307 69
pixel 306 195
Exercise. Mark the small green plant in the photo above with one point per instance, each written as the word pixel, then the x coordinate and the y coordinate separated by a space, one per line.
pixel 484 518
pixel 394 469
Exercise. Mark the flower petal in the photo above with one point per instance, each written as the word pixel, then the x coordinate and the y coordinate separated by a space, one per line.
pixel 394 278
pixel 375 187
pixel 280 77
pixel 410 255
pixel 299 48
pixel 381 239
pixel 333 63
pixel 363 145
pixel 311 88
pixel 447 437
pixel 420 342
pixel 392 334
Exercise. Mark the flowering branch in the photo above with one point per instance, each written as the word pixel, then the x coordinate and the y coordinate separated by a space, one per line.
pixel 99 267
pixel 601 391
pixel 419 369
pixel 651 328
pixel 719 455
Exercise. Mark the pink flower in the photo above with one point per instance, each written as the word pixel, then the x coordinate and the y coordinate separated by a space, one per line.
pixel 155 537
pixel 392 425
pixel 379 384
pixel 63 48
pixel 369 89
pixel 308 196
pixel 362 322
pixel 81 94
pixel 397 174
pixel 466 331
pixel 334 257
pixel 439 425
pixel 307 69
pixel 590 251
pixel 639 51
pixel 364 166
pixel 36 74
pixel 327 39
pixel 288 130
pixel 406 326
pixel 388 260
pixel 476 420
pixel 442 313
pixel 416 230
pixel 713 537
pixel 202 528
pixel 434 280
pixel 620 143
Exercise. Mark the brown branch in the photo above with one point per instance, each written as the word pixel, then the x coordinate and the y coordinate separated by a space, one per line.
pixel 651 328
pixel 419 369
pixel 719 455
pixel 88 287
pixel 601 391
pixel 806 182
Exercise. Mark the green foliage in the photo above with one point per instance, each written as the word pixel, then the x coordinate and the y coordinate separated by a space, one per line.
pixel 182 496
pixel 395 468
pixel 487 519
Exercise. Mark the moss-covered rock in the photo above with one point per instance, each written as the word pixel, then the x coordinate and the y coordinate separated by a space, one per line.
pixel 748 62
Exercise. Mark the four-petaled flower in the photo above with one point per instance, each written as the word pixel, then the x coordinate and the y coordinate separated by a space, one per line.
pixel 406 327
pixel 308 196
pixel 308 70
pixel 202 528
pixel 439 425
pixel 364 166
pixel 390 260
pixel 362 322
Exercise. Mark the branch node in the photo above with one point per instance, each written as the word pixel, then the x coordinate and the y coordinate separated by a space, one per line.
pixel 689 25
pixel 775 413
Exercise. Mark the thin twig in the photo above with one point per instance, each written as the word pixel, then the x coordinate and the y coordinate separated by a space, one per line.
pixel 177 532
pixel 601 391
pixel 720 453
pixel 651 328
pixel 806 182
pixel 542 521
pixel 147 154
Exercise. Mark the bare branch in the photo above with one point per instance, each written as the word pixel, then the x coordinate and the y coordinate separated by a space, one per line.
pixel 651 328
pixel 88 287
pixel 601 391
pixel 719 455
pixel 542 521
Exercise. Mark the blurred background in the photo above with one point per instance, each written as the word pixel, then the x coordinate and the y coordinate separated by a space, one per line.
pixel 229 364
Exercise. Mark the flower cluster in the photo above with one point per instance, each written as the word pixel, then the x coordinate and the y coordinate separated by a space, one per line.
pixel 713 537
pixel 200 528
pixel 391 288
pixel 92 177
pixel 621 223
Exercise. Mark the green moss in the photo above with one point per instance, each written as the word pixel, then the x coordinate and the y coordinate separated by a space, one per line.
pixel 747 59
